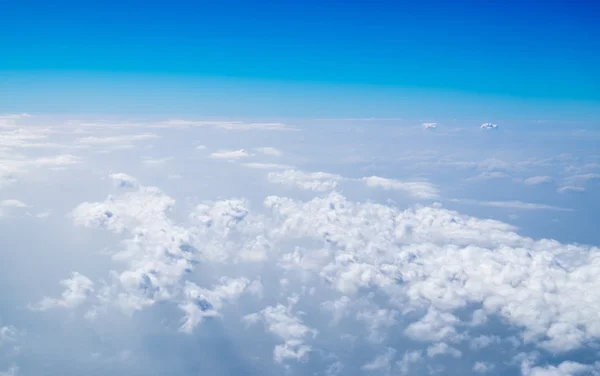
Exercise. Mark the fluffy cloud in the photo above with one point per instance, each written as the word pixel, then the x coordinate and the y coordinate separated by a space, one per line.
pixel 429 125
pixel 77 289
pixel 488 126
pixel 325 278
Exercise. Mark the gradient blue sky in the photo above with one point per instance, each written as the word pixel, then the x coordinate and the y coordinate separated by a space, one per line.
pixel 507 59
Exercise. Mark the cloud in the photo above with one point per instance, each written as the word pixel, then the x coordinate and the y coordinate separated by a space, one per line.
pixel 429 125
pixel 270 151
pixel 280 321
pixel 116 140
pixel 511 205
pixel 225 125
pixel 483 367
pixel 268 166
pixel 409 359
pixel 313 181
pixel 11 371
pixel 442 348
pixel 535 180
pixel 570 188
pixel 122 180
pixel 566 368
pixel 201 303
pixel 12 204
pixel 156 162
pixel 418 189
pixel 230 154
pixel 381 362
pixel 78 288
pixel 488 126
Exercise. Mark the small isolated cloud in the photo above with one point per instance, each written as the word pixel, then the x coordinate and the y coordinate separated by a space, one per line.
pixel 268 166
pixel 230 154
pixel 201 147
pixel 429 125
pixel 156 162
pixel 483 367
pixel 488 126
pixel 269 151
pixel 13 204
pixel 570 188
pixel 78 288
pixel 418 189
pixel 535 180
pixel 313 181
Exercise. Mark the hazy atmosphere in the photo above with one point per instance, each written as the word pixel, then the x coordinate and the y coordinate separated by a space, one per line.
pixel 337 188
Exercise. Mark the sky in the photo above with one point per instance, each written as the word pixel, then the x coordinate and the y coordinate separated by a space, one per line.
pixel 299 188
pixel 524 59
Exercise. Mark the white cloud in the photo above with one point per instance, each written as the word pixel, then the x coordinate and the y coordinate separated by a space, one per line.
pixel 270 151
pixel 511 205
pixel 78 289
pixel 483 367
pixel 156 162
pixel 381 362
pixel 313 181
pixel 535 180
pixel 488 126
pixel 268 166
pixel 409 359
pixel 418 189
pixel 429 125
pixel 201 303
pixel 281 322
pixel 567 368
pixel 230 154
pixel 115 140
pixel 442 348
pixel 570 188
pixel 13 204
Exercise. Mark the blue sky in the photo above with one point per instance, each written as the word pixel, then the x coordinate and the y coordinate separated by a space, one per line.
pixel 311 58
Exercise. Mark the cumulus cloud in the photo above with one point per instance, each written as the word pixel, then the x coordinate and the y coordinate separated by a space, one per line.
pixel 488 126
pixel 77 289
pixel 280 321
pixel 324 282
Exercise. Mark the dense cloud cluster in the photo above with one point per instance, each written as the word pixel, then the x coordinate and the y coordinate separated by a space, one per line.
pixel 311 277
